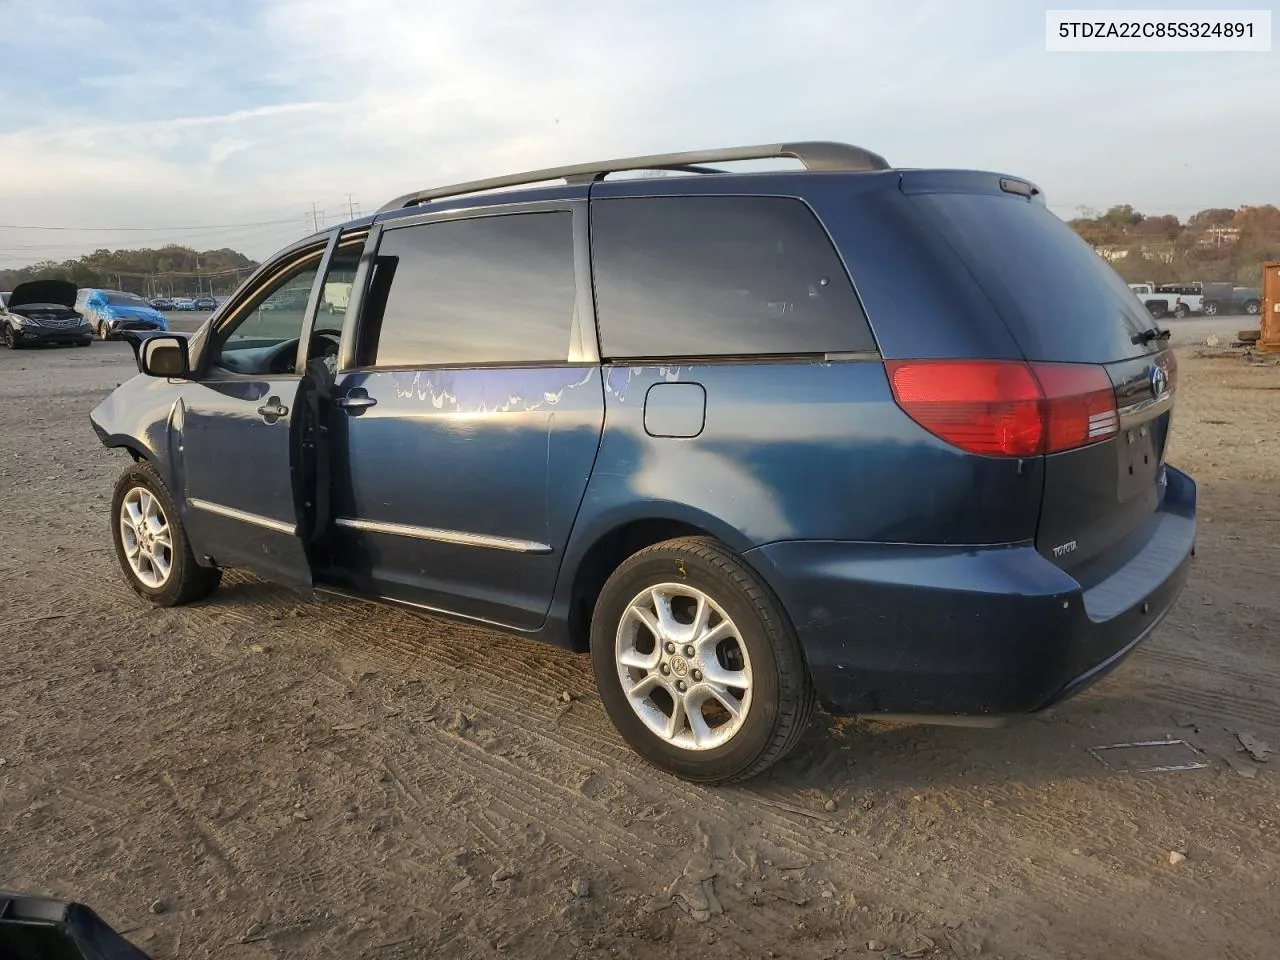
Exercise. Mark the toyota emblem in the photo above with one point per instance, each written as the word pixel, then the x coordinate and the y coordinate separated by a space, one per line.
pixel 1159 380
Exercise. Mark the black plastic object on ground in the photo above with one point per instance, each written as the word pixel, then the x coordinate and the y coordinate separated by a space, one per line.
pixel 38 928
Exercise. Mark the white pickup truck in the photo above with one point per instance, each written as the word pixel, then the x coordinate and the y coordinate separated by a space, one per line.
pixel 1170 298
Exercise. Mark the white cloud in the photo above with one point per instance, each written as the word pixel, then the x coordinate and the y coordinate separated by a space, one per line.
pixel 307 100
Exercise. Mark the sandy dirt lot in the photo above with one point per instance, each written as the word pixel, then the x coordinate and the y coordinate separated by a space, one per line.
pixel 267 776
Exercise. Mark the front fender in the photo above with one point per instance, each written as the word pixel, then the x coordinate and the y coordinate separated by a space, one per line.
pixel 144 415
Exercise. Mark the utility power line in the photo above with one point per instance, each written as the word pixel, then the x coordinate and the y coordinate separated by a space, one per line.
pixel 217 226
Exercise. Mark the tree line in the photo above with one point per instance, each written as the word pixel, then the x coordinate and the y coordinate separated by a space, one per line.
pixel 1217 244
pixel 169 271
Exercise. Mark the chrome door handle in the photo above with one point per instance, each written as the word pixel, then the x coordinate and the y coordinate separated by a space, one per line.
pixel 356 400
pixel 273 410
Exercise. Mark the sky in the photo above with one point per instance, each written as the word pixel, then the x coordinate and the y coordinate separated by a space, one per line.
pixel 221 123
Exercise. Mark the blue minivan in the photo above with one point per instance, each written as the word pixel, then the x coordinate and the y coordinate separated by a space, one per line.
pixel 888 441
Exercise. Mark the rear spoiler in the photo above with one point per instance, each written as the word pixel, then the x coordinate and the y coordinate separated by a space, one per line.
pixel 41 928
pixel 135 339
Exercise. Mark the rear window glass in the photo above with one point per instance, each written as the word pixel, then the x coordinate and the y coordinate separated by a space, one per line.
pixel 719 276
pixel 1060 300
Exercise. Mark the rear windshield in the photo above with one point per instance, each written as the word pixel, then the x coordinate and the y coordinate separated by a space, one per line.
pixel 126 300
pixel 1060 300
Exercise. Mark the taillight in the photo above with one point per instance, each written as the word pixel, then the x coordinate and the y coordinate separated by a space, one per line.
pixel 1007 408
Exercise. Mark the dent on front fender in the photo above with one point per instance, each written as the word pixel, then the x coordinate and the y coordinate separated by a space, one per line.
pixel 141 414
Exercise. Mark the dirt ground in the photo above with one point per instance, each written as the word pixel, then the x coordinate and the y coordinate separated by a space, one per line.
pixel 266 776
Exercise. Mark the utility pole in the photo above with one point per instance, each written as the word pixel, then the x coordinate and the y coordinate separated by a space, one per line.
pixel 351 207
pixel 316 216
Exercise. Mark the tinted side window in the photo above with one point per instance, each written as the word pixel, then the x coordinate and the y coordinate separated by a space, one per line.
pixel 486 290
pixel 707 276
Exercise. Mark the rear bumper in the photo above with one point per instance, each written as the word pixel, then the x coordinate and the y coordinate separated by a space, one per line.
pixel 971 631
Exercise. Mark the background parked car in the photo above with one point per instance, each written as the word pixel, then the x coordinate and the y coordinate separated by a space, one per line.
pixel 43 311
pixel 110 311
pixel 162 303
pixel 205 303
pixel 183 303
pixel 1161 301
pixel 1228 298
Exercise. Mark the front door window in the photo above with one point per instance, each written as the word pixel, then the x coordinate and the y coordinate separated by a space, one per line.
pixel 260 337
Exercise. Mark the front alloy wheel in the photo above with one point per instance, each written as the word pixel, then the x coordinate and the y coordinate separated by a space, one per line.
pixel 151 543
pixel 10 338
pixel 148 542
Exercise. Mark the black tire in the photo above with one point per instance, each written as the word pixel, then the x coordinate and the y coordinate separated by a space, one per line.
pixel 1211 308
pixel 1157 310
pixel 10 338
pixel 1181 311
pixel 1252 307
pixel 782 695
pixel 103 332
pixel 188 581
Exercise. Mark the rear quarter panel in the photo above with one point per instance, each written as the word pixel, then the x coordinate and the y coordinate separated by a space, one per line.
pixel 798 451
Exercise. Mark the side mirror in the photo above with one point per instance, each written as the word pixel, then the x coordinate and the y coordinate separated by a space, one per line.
pixel 164 357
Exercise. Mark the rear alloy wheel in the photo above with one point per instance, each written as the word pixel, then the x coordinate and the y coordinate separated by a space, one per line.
pixel 10 338
pixel 104 332
pixel 696 662
pixel 683 666
pixel 1211 309
pixel 1180 311
pixel 1251 308
pixel 151 544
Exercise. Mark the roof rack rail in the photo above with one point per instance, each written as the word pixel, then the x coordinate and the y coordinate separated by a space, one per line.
pixel 814 154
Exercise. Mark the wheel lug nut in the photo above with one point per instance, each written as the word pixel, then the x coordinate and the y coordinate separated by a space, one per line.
pixel 689 651
pixel 697 676
pixel 671 648
pixel 681 686
pixel 665 669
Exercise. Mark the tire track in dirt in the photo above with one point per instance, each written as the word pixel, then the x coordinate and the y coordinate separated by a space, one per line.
pixel 514 710
pixel 1242 710
pixel 1066 891
pixel 1263 676
pixel 396 651
pixel 414 654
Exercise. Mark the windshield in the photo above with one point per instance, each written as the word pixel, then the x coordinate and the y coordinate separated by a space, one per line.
pixel 125 299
